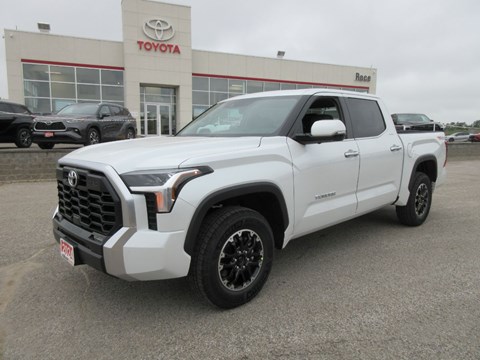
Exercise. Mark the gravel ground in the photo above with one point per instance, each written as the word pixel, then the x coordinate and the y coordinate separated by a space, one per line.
pixel 366 289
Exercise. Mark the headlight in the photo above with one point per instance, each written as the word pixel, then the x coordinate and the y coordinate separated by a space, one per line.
pixel 165 184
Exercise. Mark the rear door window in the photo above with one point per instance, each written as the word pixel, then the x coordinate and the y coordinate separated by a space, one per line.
pixel 367 119
pixel 116 110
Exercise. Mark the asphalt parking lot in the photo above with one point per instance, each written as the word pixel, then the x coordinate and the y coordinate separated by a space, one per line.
pixel 366 289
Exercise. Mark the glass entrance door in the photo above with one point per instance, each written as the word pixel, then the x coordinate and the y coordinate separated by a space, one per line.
pixel 158 119
pixel 165 119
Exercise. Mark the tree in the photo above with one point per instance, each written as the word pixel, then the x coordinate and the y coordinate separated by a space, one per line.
pixel 476 124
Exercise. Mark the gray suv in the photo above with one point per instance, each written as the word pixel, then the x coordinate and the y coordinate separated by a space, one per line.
pixel 84 123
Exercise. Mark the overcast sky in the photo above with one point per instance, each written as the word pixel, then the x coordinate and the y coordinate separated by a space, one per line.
pixel 426 52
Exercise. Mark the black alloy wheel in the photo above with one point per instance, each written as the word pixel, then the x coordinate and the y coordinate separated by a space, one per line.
pixel 130 134
pixel 241 259
pixel 23 138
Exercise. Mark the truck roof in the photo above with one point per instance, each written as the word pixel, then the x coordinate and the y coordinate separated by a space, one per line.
pixel 305 92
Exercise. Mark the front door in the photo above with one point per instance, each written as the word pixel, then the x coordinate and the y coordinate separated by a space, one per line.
pixel 158 119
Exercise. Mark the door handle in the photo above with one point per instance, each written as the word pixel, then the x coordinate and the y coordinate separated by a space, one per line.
pixel 351 153
pixel 395 148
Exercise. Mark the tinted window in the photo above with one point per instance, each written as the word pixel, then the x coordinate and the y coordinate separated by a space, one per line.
pixel 20 109
pixel 80 109
pixel 116 110
pixel 323 108
pixel 367 119
pixel 5 107
pixel 104 110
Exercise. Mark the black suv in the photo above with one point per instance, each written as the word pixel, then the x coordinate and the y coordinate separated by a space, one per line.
pixel 15 122
pixel 84 123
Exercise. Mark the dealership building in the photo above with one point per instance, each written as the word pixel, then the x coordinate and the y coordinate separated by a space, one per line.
pixel 154 71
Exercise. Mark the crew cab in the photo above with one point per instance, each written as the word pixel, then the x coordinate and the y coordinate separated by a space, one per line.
pixel 249 175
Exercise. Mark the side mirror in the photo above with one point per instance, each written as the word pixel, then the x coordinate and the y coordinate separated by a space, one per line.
pixel 323 131
pixel 104 116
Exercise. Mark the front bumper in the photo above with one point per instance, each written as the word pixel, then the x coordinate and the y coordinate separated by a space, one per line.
pixel 59 137
pixel 133 252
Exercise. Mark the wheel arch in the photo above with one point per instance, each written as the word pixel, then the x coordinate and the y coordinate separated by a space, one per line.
pixel 426 164
pixel 265 198
pixel 96 127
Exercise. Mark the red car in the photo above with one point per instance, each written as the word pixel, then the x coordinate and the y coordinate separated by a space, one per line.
pixel 474 137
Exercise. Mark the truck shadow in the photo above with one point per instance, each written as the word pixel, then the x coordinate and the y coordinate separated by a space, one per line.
pixel 176 295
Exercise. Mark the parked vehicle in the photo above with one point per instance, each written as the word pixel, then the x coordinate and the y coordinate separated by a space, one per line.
pixel 415 121
pixel 474 137
pixel 84 123
pixel 249 175
pixel 458 136
pixel 15 122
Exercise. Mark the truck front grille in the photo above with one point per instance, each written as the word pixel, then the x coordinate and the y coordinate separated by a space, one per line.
pixel 87 199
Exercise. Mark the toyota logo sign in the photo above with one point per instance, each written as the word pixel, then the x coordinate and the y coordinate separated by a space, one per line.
pixel 158 29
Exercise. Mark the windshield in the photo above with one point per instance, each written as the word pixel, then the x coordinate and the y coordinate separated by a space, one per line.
pixel 243 117
pixel 412 118
pixel 79 109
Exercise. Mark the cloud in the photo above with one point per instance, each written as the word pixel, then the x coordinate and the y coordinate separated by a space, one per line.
pixel 426 52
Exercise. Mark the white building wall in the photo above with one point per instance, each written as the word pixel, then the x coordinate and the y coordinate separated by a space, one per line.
pixel 251 67
pixel 54 48
pixel 154 67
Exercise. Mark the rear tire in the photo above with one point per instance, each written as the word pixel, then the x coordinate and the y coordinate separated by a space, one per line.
pixel 46 146
pixel 233 256
pixel 23 138
pixel 418 206
pixel 130 134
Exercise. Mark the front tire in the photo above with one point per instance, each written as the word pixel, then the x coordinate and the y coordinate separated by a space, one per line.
pixel 46 146
pixel 23 138
pixel 418 206
pixel 93 137
pixel 233 257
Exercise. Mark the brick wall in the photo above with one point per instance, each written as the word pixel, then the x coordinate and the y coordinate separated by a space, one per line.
pixel 29 164
pixel 36 164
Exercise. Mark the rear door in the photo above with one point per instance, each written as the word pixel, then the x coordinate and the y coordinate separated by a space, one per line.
pixel 6 117
pixel 118 122
pixel 381 154
pixel 106 122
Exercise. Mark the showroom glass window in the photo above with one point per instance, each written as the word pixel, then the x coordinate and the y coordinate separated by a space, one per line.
pixel 207 91
pixel 49 88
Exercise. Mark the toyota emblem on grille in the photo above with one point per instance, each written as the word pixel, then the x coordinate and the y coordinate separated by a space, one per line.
pixel 72 178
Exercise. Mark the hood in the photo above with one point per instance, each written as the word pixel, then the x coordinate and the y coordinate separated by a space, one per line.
pixel 56 118
pixel 158 152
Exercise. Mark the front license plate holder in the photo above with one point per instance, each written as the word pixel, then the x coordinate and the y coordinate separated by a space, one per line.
pixel 67 251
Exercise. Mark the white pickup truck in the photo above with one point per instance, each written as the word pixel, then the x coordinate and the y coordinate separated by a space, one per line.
pixel 247 176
